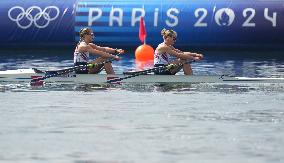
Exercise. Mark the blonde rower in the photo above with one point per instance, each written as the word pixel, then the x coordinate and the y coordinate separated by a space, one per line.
pixel 166 54
pixel 86 47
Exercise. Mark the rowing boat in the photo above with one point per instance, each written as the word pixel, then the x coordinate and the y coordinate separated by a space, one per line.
pixel 26 75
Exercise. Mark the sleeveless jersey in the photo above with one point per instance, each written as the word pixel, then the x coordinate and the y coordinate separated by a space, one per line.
pixel 81 56
pixel 162 58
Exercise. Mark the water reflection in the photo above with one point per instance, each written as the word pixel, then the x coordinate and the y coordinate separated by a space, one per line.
pixel 178 88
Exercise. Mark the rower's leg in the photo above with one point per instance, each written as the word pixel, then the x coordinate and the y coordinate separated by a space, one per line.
pixel 108 68
pixel 187 69
pixel 183 65
pixel 98 68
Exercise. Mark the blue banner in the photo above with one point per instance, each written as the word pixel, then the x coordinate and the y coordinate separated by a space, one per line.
pixel 116 22
pixel 33 22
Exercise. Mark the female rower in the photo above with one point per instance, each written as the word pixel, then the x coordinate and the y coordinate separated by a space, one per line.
pixel 86 47
pixel 165 52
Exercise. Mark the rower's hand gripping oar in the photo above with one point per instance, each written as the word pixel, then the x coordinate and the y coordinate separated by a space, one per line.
pixel 159 68
pixel 68 70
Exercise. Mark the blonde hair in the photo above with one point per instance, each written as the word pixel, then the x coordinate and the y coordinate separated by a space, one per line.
pixel 85 31
pixel 168 33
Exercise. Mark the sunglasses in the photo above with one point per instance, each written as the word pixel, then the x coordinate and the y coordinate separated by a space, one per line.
pixel 92 34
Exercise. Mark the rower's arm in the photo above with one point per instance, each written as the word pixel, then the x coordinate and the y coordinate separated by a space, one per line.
pixel 181 55
pixel 106 49
pixel 172 52
pixel 195 55
pixel 188 53
pixel 177 50
pixel 103 54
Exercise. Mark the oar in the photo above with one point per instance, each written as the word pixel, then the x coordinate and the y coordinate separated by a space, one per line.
pixel 68 70
pixel 137 73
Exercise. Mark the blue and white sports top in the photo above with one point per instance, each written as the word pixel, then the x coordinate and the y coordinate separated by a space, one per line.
pixel 161 58
pixel 81 56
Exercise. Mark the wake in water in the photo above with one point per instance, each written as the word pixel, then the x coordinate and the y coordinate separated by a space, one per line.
pixel 173 88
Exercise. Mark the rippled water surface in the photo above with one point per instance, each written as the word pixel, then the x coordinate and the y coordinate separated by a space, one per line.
pixel 145 123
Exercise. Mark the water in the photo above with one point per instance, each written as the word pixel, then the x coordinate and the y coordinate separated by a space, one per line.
pixel 145 123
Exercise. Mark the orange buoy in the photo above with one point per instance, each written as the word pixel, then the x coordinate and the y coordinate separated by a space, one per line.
pixel 144 53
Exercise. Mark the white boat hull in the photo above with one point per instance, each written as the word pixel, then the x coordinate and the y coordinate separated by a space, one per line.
pixel 26 75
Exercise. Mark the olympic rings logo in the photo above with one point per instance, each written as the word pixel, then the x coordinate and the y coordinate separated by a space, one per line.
pixel 33 18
